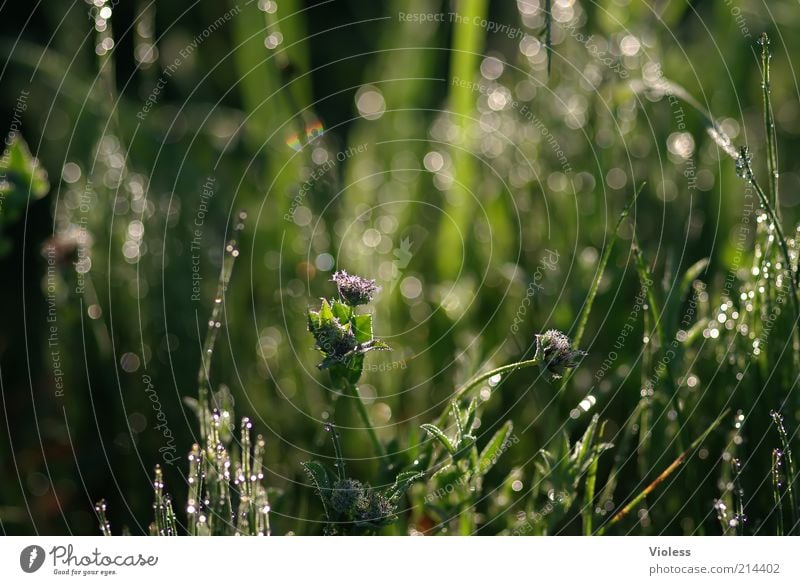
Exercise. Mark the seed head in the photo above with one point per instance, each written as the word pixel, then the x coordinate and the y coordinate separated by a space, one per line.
pixel 346 494
pixel 334 339
pixel 555 353
pixel 374 509
pixel 353 289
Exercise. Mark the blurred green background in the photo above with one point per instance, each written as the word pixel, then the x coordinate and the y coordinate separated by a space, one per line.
pixel 432 153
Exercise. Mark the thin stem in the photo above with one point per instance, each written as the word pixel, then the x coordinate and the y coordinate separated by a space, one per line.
pixel 601 268
pixel 214 323
pixel 769 125
pixel 681 459
pixel 750 177
pixel 787 455
pixel 478 379
pixel 777 463
pixel 738 497
pixel 362 412
pixel 466 387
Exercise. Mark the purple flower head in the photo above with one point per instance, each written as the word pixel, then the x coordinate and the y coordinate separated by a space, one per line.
pixel 353 289
pixel 555 353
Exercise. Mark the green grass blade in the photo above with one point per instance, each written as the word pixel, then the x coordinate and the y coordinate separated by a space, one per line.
pixel 776 472
pixel 494 449
pixel 769 125
pixel 468 41
pixel 587 307
pixel 671 468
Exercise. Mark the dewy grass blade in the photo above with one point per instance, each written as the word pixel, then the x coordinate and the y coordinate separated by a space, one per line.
pixel 681 459
pixel 587 307
pixel 769 125
pixel 776 472
pixel 791 474
pixel 214 322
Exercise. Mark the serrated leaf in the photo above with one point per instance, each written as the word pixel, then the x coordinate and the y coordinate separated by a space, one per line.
pixel 341 311
pixel 363 328
pixel 325 313
pixel 313 321
pixel 439 434
pixel 376 344
pixel 491 453
pixel 319 476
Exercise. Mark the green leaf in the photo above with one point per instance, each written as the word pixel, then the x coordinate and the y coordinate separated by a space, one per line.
pixel 673 307
pixel 457 416
pixel 22 171
pixel 379 345
pixel 325 313
pixel 319 476
pixel 341 311
pixel 443 471
pixel 439 434
pixel 584 445
pixel 469 417
pixel 494 449
pixel 363 328
pixel 464 448
pixel 313 320
pixel 402 483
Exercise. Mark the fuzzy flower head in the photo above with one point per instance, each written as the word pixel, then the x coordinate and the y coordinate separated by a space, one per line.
pixel 555 353
pixel 374 510
pixel 353 289
pixel 342 336
pixel 346 495
pixel 334 339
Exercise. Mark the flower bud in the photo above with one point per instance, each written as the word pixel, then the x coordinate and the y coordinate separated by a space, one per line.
pixel 555 353
pixel 353 289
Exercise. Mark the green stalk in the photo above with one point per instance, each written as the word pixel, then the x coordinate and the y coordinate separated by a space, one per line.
pixel 656 315
pixel 769 124
pixel 588 496
pixel 105 525
pixel 479 378
pixel 739 496
pixel 468 40
pixel 587 307
pixel 749 176
pixel 777 463
pixel 791 474
pixel 231 253
pixel 466 387
pixel 681 459
pixel 362 412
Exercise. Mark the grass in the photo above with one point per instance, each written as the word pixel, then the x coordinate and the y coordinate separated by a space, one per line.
pixel 480 181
